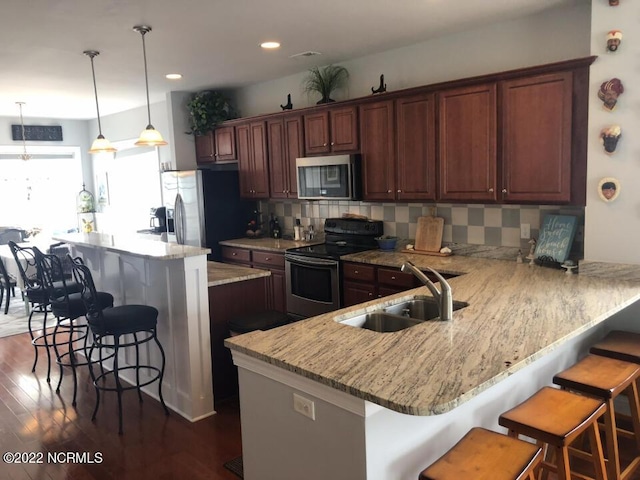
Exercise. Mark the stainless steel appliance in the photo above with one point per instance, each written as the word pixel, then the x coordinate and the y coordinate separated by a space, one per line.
pixel 205 207
pixel 335 177
pixel 313 273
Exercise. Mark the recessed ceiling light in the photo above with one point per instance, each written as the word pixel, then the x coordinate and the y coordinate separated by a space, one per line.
pixel 270 45
pixel 173 76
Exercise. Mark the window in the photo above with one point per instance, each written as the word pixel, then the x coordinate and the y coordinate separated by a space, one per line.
pixel 40 193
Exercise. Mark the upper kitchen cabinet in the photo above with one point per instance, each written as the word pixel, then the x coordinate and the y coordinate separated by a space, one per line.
pixel 378 150
pixel 218 146
pixel 416 147
pixel 334 130
pixel 467 143
pixel 537 138
pixel 286 143
pixel 252 160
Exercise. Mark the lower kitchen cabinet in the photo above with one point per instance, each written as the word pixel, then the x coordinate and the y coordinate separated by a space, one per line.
pixel 227 302
pixel 363 282
pixel 266 260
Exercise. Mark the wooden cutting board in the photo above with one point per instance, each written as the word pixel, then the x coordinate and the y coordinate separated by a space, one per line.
pixel 429 234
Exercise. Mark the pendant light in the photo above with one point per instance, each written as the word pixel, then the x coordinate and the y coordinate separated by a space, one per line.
pixel 149 137
pixel 24 155
pixel 100 144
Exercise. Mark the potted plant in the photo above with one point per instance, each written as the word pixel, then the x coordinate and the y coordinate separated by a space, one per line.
pixel 208 109
pixel 325 80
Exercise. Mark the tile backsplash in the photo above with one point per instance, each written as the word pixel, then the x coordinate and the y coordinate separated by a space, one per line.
pixel 494 225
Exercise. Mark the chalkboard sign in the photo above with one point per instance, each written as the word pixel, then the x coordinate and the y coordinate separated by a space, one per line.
pixel 556 238
pixel 37 132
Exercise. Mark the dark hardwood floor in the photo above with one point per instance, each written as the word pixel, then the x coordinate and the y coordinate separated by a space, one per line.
pixel 33 418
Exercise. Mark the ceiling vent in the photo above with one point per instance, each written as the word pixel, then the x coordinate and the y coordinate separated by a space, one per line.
pixel 305 54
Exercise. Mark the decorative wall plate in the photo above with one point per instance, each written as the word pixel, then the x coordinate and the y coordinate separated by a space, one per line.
pixel 608 189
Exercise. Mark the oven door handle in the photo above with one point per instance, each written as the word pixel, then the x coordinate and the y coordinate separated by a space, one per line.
pixel 309 261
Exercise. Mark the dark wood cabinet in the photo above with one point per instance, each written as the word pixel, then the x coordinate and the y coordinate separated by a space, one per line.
pixel 334 130
pixel 286 143
pixel 218 146
pixel 416 147
pixel 467 143
pixel 252 160
pixel 265 260
pixel 536 138
pixel 225 144
pixel 378 151
pixel 363 282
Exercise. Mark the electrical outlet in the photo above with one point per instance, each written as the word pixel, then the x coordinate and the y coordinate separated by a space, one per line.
pixel 525 230
pixel 304 406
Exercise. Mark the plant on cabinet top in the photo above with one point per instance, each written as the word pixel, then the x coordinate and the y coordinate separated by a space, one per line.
pixel 208 109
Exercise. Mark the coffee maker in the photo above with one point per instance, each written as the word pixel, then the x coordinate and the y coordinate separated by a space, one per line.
pixel 159 222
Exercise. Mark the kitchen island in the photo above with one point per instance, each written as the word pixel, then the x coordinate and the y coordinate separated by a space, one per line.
pixel 172 278
pixel 387 405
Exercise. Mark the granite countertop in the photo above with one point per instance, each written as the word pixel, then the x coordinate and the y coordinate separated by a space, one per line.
pixel 517 313
pixel 268 244
pixel 132 245
pixel 222 273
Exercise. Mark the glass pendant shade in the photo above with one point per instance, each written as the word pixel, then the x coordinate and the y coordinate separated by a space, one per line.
pixel 102 145
pixel 150 137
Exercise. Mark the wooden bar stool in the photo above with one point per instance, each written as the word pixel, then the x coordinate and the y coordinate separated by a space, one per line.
pixel 607 378
pixel 555 419
pixel 485 455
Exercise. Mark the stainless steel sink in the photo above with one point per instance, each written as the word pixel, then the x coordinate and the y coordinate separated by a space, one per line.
pixel 422 308
pixel 381 322
pixel 397 317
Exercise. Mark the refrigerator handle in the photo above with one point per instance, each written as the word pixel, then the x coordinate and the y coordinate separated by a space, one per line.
pixel 178 221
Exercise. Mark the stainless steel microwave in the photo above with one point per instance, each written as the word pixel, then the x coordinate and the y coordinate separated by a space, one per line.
pixel 335 177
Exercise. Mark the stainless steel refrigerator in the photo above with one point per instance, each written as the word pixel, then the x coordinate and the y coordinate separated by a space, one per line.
pixel 205 207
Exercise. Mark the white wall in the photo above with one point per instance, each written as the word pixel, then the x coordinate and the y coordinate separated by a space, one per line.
pixel 74 133
pixel 612 229
pixel 556 35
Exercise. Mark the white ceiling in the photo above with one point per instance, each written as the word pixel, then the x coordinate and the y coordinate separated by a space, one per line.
pixel 213 43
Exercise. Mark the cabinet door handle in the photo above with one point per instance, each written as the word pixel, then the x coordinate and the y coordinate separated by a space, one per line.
pixel 332 143
pixel 215 154
pixel 393 278
pixel 388 191
pixel 324 144
pixel 504 190
pixel 371 294
pixel 356 272
pixel 234 254
pixel 266 259
pixel 491 190
pixel 399 191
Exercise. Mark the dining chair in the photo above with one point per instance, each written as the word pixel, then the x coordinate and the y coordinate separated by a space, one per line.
pixel 7 284
pixel 11 235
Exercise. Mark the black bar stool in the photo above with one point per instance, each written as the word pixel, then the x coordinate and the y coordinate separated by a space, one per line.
pixel 107 327
pixel 37 297
pixel 68 307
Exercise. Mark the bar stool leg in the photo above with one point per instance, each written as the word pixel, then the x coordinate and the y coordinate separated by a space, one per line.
pixel 597 453
pixel 116 373
pixel 93 376
pixel 135 339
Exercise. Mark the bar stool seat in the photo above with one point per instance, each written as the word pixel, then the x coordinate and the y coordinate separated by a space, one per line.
pixel 618 344
pixel 555 419
pixel 607 378
pixel 485 455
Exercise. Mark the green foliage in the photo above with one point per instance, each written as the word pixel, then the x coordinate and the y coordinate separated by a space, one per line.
pixel 208 109
pixel 325 80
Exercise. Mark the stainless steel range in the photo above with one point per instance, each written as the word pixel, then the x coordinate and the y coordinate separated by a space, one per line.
pixel 313 273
